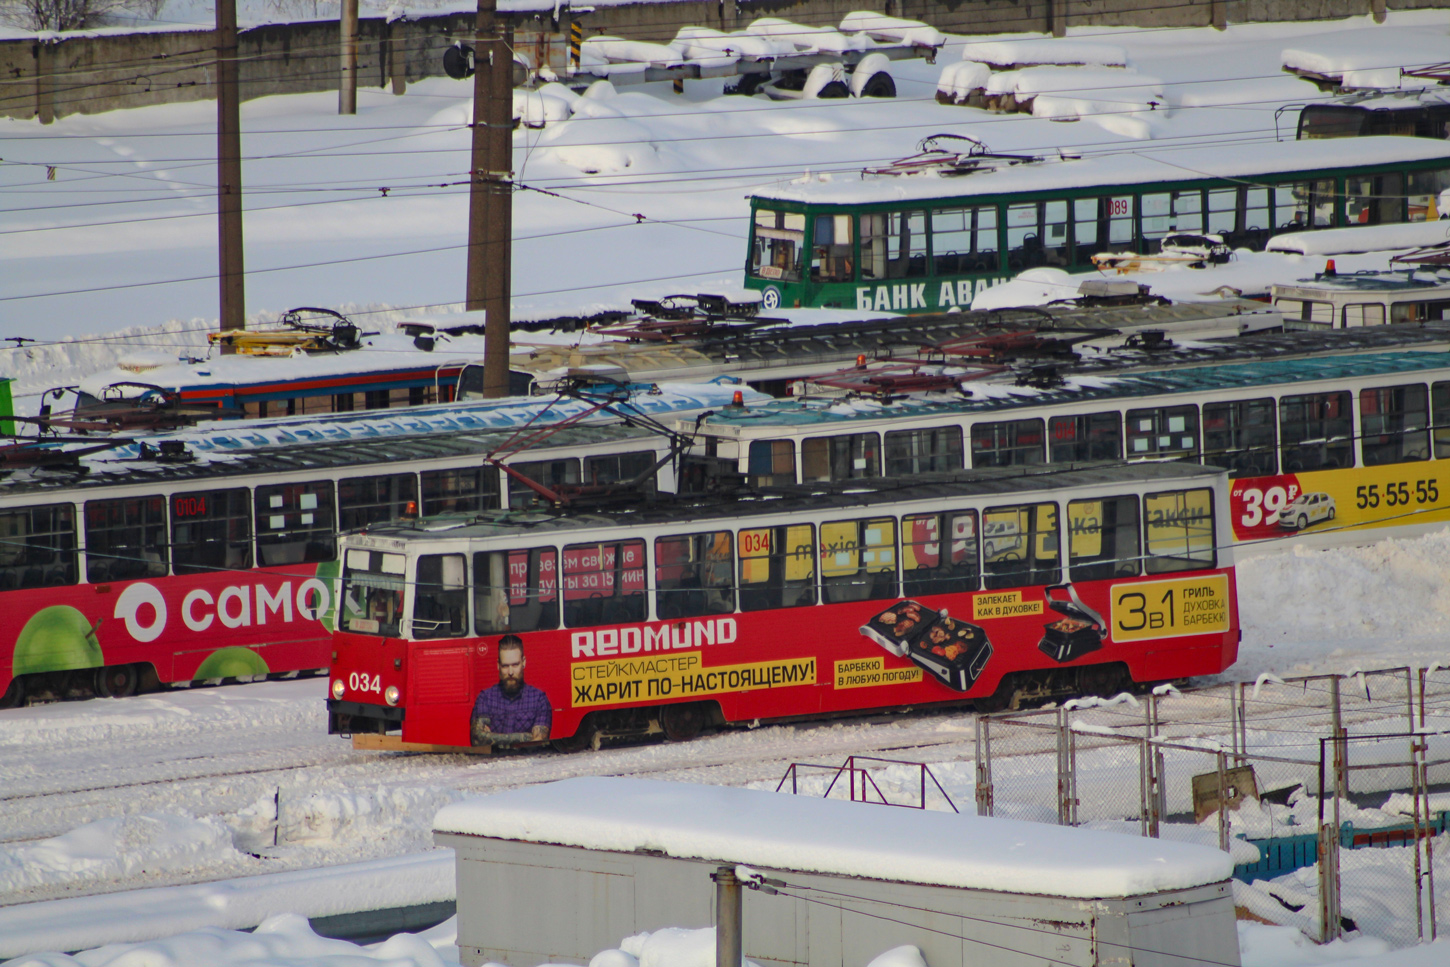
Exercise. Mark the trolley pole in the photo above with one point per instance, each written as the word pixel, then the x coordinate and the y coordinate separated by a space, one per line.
pixel 490 209
pixel 729 927
pixel 229 171
pixel 347 80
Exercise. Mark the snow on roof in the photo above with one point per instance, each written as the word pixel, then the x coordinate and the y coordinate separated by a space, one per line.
pixel 1362 238
pixel 1370 58
pixel 1011 53
pixel 1138 166
pixel 784 832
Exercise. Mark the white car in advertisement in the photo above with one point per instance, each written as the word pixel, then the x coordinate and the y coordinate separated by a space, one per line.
pixel 1306 509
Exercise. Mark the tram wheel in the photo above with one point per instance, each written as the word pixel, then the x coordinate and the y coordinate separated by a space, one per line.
pixel 682 722
pixel 116 681
pixel 1004 698
pixel 14 696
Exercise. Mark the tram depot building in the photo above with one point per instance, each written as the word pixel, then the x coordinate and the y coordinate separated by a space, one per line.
pixel 558 872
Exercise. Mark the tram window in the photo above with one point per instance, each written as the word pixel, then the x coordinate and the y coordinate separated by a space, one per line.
pixel 1223 205
pixel 1315 432
pixel 1440 419
pixel 440 597
pixel 515 591
pixel 1364 314
pixel 372 592
pixel 771 463
pixel 366 500
pixel 850 456
pixel 831 246
pixel 964 240
pixel 910 452
pixel 925 570
pixel 1375 199
pixel 1179 531
pixel 858 560
pixel 1165 213
pixel 1240 437
pixel 604 584
pixel 1086 436
pixel 777 567
pixel 37 547
pixel 1304 205
pixel 1085 230
pixel 1036 235
pixel 1163 431
pixel 1401 312
pixel 893 245
pixel 1422 191
pixel 211 530
pixel 1019 546
pixel 694 575
pixel 1394 424
pixel 125 539
pixel 775 248
pixel 1014 443
pixel 617 467
pixel 295 523
pixel 1256 221
pixel 466 490
pixel 550 473
pixel 1307 313
pixel 375 399
pixel 1102 538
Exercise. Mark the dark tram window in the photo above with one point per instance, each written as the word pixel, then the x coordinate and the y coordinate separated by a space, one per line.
pixel 964 240
pixel 1087 436
pixel 777 567
pixel 1394 424
pixel 1240 437
pixel 618 467
pixel 37 547
pixel 910 452
pixel 366 500
pixel 125 539
pixel 440 597
pixel 549 473
pixel 939 553
pixel 1315 432
pixel 1163 431
pixel 211 530
pixel 295 523
pixel 1019 545
pixel 1014 443
pixel 1440 419
pixel 858 560
pixel 515 591
pixel 694 575
pixel 849 456
pixel 604 584
pixel 771 463
pixel 1102 538
pixel 466 490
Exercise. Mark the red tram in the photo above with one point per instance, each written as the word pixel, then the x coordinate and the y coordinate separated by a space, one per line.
pixel 988 586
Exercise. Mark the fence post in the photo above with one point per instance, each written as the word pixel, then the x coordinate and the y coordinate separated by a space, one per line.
pixel 1415 814
pixel 984 766
pixel 728 926
pixel 1329 916
pixel 1222 762
pixel 1243 758
pixel 1341 752
pixel 1064 779
pixel 1148 788
pixel 1429 846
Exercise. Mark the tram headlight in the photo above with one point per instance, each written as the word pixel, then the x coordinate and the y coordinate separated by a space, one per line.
pixel 338 688
pixel 392 695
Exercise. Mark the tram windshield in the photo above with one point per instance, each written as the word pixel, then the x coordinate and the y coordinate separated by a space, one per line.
pixel 372 593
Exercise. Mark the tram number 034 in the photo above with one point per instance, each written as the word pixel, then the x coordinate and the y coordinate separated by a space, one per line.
pixel 363 682
pixel 1397 494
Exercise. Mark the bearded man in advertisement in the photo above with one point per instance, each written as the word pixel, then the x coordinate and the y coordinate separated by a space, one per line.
pixel 513 711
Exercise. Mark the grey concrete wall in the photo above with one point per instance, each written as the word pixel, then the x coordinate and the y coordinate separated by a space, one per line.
pixel 88 75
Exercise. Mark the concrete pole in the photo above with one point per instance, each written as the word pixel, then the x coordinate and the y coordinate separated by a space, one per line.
pixel 45 81
pixel 729 926
pixel 347 80
pixel 229 171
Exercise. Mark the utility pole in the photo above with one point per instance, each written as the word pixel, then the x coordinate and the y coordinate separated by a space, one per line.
pixel 347 81
pixel 490 208
pixel 229 170
pixel 729 925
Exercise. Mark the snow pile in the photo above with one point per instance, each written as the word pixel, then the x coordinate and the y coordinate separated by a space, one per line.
pixel 115 849
pixel 1022 53
pixel 1370 59
pixel 892 30
pixel 794 37
pixel 1365 238
pixel 1265 946
pixel 961 79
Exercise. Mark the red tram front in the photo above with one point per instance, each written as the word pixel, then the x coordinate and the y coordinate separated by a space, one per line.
pixel 986 586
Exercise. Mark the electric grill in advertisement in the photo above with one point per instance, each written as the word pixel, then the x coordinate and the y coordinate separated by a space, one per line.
pixel 952 650
pixel 1078 632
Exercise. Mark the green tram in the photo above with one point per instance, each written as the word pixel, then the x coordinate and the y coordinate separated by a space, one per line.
pixel 932 239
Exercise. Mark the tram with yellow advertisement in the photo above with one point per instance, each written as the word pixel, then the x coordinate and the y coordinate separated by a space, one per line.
pixel 516 628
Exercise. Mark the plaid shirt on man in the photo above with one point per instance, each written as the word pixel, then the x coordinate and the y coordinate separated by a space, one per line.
pixel 522 712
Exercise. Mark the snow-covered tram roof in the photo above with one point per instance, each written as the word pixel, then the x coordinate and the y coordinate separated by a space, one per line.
pixel 801 833
pixel 1140 167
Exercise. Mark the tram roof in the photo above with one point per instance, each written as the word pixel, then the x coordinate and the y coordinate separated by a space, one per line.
pixel 1141 167
pixel 1020 483
pixel 994 398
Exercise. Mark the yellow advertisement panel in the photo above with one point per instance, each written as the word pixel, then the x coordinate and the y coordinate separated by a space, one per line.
pixel 864 672
pixel 1171 608
pixel 1003 604
pixel 677 676
pixel 1414 493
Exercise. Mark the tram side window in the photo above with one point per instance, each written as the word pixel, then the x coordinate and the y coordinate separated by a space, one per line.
pixel 440 597
pixel 1304 205
pixel 550 473
pixel 694 575
pixel 1419 312
pixel 1163 431
pixel 964 240
pixel 775 248
pixel 771 463
pixel 466 490
pixel 893 245
pixel 1315 432
pixel 1375 199
pixel 1223 206
pixel 372 592
pixel 1102 225
pixel 1168 212
pixel 1102 538
pixel 777 567
pixel 37 547
pixel 1019 546
pixel 1086 436
pixel 850 456
pixel 858 560
pixel 1364 314
pixel 1180 531
pixel 604 584
pixel 1440 419
pixel 1255 219
pixel 1422 190
pixel 125 539
pixel 1394 424
pixel 910 452
pixel 1240 437
pixel 831 246
pixel 925 569
pixel 211 530
pixel 1013 443
pixel 618 467
pixel 515 591
pixel 1037 235
pixel 295 523
pixel 366 500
